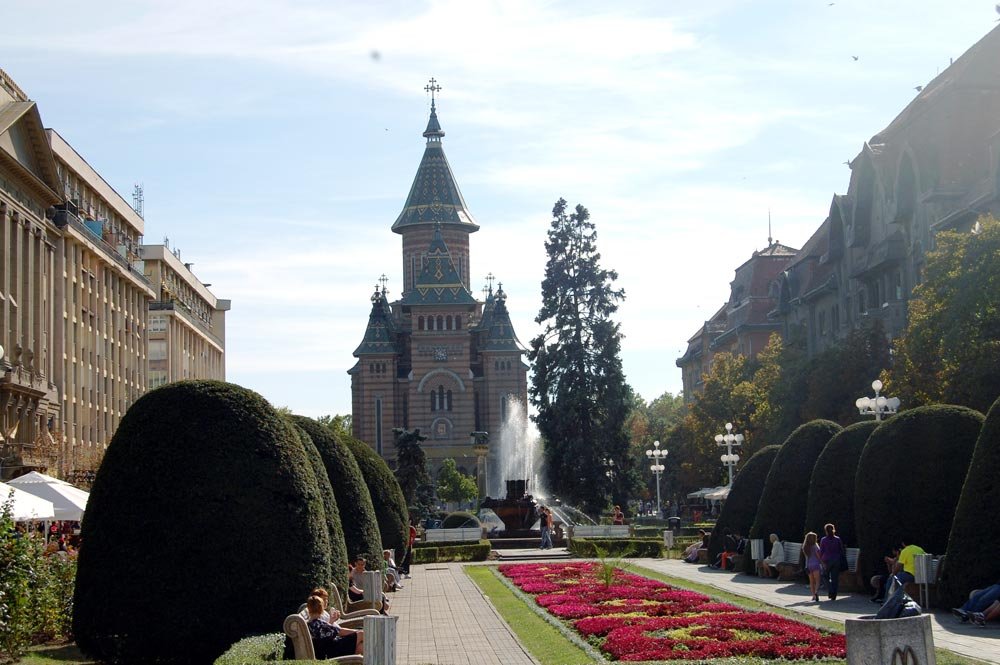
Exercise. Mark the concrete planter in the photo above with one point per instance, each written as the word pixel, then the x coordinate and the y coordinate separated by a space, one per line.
pixel 907 641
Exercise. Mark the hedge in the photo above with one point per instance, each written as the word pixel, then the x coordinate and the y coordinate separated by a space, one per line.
pixel 331 512
pixel 205 500
pixel 909 480
pixel 387 497
pixel 740 508
pixel 436 553
pixel 782 507
pixel 460 519
pixel 831 491
pixel 593 548
pixel 975 530
pixel 357 515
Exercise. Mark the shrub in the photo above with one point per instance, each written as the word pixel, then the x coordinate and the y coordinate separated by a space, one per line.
pixel 387 497
pixel 357 517
pixel 252 650
pixel 740 508
pixel 205 500
pixel 782 507
pixel 909 479
pixel 331 512
pixel 459 520
pixel 597 548
pixel 975 529
pixel 438 553
pixel 831 491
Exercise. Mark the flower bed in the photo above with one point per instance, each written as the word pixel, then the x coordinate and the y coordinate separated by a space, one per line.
pixel 636 618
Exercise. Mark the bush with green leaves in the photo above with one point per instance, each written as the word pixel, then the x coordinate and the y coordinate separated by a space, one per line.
pixel 740 508
pixel 598 548
pixel 909 479
pixel 331 512
pixel 267 648
pixel 439 552
pixel 460 519
pixel 36 591
pixel 387 497
pixel 357 515
pixel 205 500
pixel 975 530
pixel 831 491
pixel 782 507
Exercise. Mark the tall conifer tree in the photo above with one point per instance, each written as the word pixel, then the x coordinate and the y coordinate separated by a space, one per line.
pixel 578 385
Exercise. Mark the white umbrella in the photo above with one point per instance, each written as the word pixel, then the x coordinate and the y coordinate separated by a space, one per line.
pixel 700 494
pixel 27 506
pixel 718 494
pixel 69 501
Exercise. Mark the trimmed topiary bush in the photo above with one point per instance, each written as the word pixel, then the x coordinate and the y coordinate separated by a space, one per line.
pixel 460 519
pixel 205 500
pixel 740 508
pixel 599 548
pixel 909 479
pixel 331 512
pixel 387 497
pixel 782 507
pixel 440 553
pixel 975 530
pixel 831 492
pixel 357 515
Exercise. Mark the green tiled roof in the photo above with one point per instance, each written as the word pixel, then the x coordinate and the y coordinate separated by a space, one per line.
pixel 380 336
pixel 438 282
pixel 434 196
pixel 500 336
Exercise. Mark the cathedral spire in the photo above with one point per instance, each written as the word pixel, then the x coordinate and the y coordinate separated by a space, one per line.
pixel 433 133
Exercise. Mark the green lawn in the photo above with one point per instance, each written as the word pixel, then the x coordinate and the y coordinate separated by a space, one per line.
pixel 51 654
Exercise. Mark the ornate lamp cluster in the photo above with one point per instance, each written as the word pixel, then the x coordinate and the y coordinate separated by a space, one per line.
pixel 729 440
pixel 879 405
pixel 657 457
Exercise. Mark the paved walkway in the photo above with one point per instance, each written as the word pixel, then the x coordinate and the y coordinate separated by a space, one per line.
pixel 445 620
pixel 965 639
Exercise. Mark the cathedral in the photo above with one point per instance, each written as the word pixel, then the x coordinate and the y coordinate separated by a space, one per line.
pixel 437 358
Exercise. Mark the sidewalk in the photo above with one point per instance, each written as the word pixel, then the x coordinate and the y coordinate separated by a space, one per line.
pixel 965 639
pixel 445 620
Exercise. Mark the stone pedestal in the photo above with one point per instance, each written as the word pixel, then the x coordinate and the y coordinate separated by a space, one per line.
pixel 668 539
pixel 371 585
pixel 380 640
pixel 907 641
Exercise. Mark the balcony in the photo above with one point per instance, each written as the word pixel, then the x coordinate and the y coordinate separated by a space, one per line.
pixel 67 218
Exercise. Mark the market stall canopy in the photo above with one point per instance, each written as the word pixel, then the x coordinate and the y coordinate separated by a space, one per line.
pixel 718 494
pixel 700 494
pixel 26 506
pixel 69 501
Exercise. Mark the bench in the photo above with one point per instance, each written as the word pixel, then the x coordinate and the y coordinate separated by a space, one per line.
pixel 850 580
pixel 298 632
pixel 464 534
pixel 928 569
pixel 790 567
pixel 703 555
pixel 599 531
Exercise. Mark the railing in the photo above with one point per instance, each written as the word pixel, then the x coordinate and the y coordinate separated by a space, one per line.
pixel 170 305
pixel 75 222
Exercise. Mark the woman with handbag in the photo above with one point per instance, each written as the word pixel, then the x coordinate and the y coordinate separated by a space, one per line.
pixel 834 558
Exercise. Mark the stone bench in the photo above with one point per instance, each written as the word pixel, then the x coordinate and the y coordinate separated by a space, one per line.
pixel 460 535
pixel 298 632
pixel 791 566
pixel 928 573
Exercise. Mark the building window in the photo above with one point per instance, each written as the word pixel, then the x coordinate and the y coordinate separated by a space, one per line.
pixel 434 401
pixel 447 322
pixel 458 322
pixel 157 349
pixel 448 406
pixel 378 425
pixel 441 402
pixel 420 323
pixel 440 322
pixel 157 324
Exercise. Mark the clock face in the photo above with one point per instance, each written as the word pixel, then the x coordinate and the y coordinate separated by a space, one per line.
pixel 440 353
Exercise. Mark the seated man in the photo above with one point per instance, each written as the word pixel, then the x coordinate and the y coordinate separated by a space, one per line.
pixel 355 591
pixel 391 573
pixel 901 569
pixel 330 640
pixel 980 602
pixel 769 564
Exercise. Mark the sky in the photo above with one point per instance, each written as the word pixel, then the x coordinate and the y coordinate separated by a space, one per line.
pixel 276 143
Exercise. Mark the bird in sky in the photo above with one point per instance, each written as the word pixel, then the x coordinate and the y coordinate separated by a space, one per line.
pixel 855 58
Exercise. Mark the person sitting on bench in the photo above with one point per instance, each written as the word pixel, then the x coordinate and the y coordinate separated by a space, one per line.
pixel 330 640
pixel 768 564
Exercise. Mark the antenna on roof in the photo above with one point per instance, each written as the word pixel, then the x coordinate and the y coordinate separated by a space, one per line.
pixel 769 227
pixel 137 198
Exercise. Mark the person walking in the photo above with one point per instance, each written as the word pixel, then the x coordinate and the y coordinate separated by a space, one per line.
pixel 810 550
pixel 543 524
pixel 831 552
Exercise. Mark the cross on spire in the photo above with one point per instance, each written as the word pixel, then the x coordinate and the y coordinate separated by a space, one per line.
pixel 383 280
pixel 489 281
pixel 432 87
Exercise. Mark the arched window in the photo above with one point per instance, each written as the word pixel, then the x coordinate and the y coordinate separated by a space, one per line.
pixel 447 322
pixel 496 365
pixel 448 402
pixel 420 323
pixel 458 322
pixel 440 322
pixel 434 401
pixel 430 323
pixel 441 402
pixel 371 368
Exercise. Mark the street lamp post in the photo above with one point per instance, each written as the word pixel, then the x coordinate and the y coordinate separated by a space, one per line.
pixel 657 457
pixel 729 440
pixel 879 405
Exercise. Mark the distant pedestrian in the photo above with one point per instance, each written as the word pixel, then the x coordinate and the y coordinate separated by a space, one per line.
pixel 544 522
pixel 810 550
pixel 618 517
pixel 831 551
